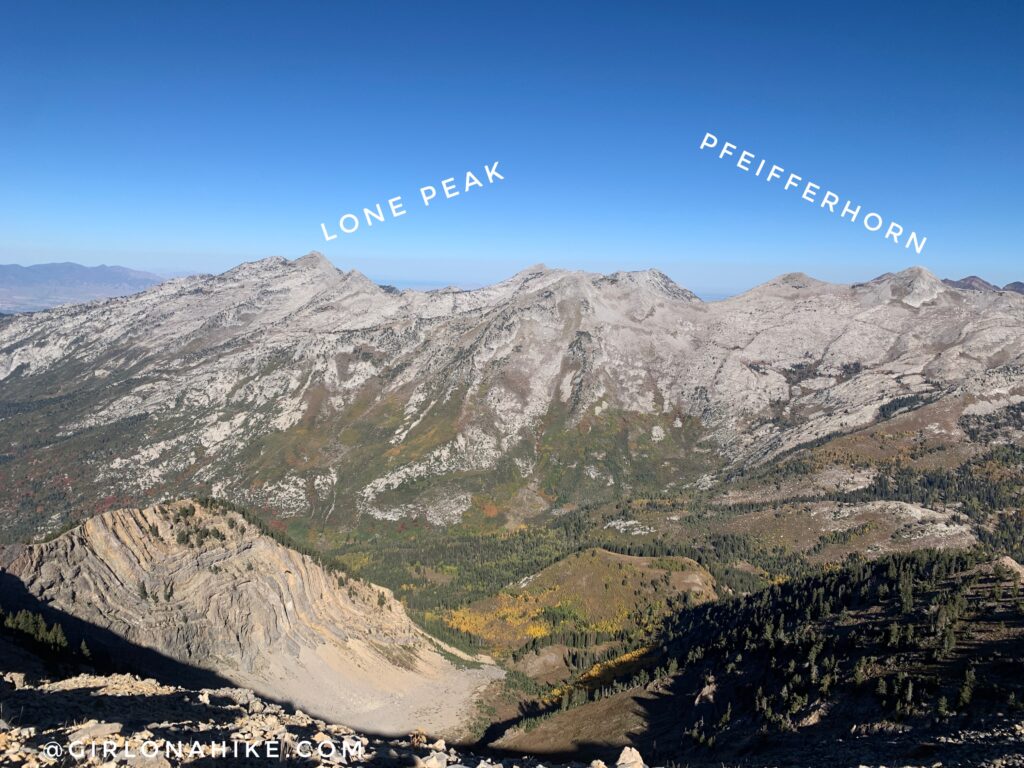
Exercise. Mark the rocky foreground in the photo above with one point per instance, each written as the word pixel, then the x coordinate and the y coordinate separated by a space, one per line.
pixel 124 720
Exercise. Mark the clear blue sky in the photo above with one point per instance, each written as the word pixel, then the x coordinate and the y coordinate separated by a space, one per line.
pixel 194 135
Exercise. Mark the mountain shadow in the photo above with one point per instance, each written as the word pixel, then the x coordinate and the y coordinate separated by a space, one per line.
pixel 109 651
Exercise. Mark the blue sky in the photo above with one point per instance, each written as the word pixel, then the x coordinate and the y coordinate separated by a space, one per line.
pixel 192 136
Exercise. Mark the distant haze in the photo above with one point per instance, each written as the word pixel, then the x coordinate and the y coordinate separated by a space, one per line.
pixel 41 286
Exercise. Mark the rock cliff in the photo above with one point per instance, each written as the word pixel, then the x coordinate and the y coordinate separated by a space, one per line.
pixel 205 587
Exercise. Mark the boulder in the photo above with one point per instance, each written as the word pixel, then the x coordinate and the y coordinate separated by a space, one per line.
pixel 630 758
pixel 95 730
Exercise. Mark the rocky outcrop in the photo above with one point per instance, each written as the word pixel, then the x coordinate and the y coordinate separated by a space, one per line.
pixel 123 720
pixel 204 587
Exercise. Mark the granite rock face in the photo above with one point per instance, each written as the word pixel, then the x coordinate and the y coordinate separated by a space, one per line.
pixel 297 388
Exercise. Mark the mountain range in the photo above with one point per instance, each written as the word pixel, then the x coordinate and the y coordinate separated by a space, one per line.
pixel 308 392
pixel 975 283
pixel 511 513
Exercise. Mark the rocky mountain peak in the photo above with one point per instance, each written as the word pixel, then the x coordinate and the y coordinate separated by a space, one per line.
pixel 913 286
pixel 532 271
pixel 315 260
pixel 918 275
pixel 643 284
pixel 654 280
pixel 799 280
pixel 527 279
pixel 790 282
pixel 972 283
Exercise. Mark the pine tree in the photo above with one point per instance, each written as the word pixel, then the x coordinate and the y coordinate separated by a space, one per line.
pixel 56 638
pixel 967 689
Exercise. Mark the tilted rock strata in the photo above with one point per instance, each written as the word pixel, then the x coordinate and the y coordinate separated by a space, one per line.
pixel 234 601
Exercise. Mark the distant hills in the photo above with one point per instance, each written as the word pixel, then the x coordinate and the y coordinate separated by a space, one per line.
pixel 975 283
pixel 41 286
